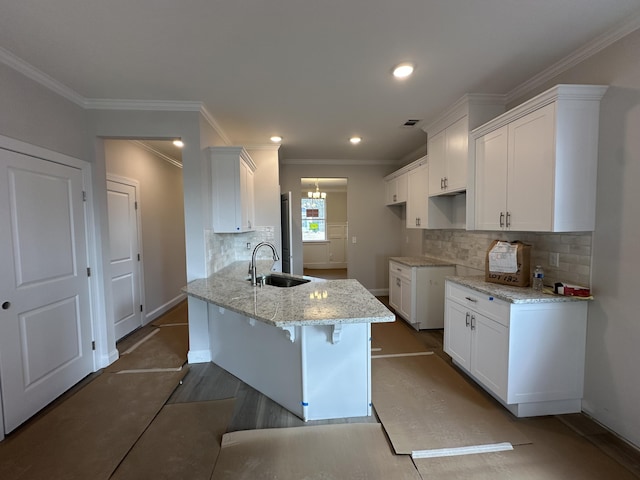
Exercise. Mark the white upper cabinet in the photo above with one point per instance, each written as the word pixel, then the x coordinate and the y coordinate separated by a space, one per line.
pixel 418 195
pixel 232 189
pixel 448 141
pixel 396 189
pixel 448 153
pixel 536 165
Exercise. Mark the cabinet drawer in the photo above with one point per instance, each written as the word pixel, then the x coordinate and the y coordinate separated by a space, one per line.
pixel 482 303
pixel 399 270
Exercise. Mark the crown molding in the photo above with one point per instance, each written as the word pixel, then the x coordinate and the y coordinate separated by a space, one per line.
pixel 40 77
pixel 335 161
pixel 152 105
pixel 155 152
pixel 265 147
pixel 596 45
pixel 214 124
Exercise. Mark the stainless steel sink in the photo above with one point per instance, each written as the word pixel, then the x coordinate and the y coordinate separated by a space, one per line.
pixel 282 281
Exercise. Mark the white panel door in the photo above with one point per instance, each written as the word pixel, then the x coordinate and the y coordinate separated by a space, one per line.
pixel 45 323
pixel 124 262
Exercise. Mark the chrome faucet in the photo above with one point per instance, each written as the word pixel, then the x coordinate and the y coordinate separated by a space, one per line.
pixel 252 265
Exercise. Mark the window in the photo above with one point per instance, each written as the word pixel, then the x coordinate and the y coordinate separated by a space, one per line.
pixel 314 219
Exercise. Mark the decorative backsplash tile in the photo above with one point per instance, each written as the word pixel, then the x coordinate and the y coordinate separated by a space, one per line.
pixel 223 249
pixel 468 249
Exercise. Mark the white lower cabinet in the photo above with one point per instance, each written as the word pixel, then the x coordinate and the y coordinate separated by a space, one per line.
pixel 417 293
pixel 530 356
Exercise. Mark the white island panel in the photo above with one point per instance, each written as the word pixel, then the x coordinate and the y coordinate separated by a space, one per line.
pixel 259 354
pixel 337 371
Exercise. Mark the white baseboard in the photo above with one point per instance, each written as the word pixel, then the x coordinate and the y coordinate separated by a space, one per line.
pixel 379 292
pixel 324 266
pixel 199 356
pixel 151 316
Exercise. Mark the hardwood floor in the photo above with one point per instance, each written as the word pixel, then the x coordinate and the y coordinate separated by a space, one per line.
pixel 252 410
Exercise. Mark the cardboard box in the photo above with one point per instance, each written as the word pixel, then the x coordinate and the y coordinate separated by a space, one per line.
pixel 521 277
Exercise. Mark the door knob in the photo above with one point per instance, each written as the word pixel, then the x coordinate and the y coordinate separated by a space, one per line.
pixel 6 305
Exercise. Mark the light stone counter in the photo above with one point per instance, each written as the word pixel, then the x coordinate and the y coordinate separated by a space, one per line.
pixel 421 262
pixel 318 302
pixel 512 294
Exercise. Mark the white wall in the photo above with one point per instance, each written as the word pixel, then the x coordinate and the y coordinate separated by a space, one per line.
pixel 161 201
pixel 372 223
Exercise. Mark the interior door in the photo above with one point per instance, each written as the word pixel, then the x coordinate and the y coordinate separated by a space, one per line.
pixel 45 323
pixel 125 259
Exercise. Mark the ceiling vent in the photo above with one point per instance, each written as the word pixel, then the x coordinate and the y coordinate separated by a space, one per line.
pixel 410 123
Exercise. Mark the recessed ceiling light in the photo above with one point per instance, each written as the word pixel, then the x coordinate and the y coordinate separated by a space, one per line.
pixel 355 140
pixel 403 70
pixel 178 143
pixel 276 139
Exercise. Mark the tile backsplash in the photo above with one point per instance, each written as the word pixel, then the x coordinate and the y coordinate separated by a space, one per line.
pixel 223 249
pixel 469 248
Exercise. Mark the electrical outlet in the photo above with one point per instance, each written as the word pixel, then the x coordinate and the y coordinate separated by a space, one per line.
pixel 354 239
pixel 248 246
pixel 554 259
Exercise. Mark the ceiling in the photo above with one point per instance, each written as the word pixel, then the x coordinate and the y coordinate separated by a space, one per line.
pixel 315 73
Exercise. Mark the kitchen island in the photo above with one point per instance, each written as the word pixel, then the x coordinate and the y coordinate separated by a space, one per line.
pixel 307 347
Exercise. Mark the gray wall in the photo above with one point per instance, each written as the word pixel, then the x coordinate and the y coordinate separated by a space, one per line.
pixel 612 388
pixel 373 224
pixel 612 392
pixel 33 114
pixel 337 207
pixel 161 201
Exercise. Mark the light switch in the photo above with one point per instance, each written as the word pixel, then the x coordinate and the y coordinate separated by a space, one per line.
pixel 354 240
pixel 554 259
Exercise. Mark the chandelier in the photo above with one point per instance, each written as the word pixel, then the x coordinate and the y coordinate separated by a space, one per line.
pixel 317 193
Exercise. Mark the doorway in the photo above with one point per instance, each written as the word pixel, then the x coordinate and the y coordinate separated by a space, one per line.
pixel 155 168
pixel 325 226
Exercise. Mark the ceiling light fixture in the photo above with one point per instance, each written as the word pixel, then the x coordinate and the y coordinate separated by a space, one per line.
pixel 355 140
pixel 317 194
pixel 403 70
pixel 276 139
pixel 178 143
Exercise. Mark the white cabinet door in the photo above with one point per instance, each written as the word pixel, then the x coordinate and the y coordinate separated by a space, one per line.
pixel 456 150
pixel 491 180
pixel 418 197
pixel 395 291
pixel 247 196
pixel 232 189
pixel 530 195
pixel 457 333
pixel 490 353
pixel 397 189
pixel 437 163
pixel 407 309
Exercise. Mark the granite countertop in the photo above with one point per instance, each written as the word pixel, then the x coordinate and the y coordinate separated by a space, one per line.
pixel 421 262
pixel 513 294
pixel 319 302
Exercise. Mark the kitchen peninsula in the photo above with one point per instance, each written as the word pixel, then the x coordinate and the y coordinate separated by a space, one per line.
pixel 307 347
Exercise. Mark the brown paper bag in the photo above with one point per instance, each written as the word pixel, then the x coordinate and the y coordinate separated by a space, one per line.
pixel 521 277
